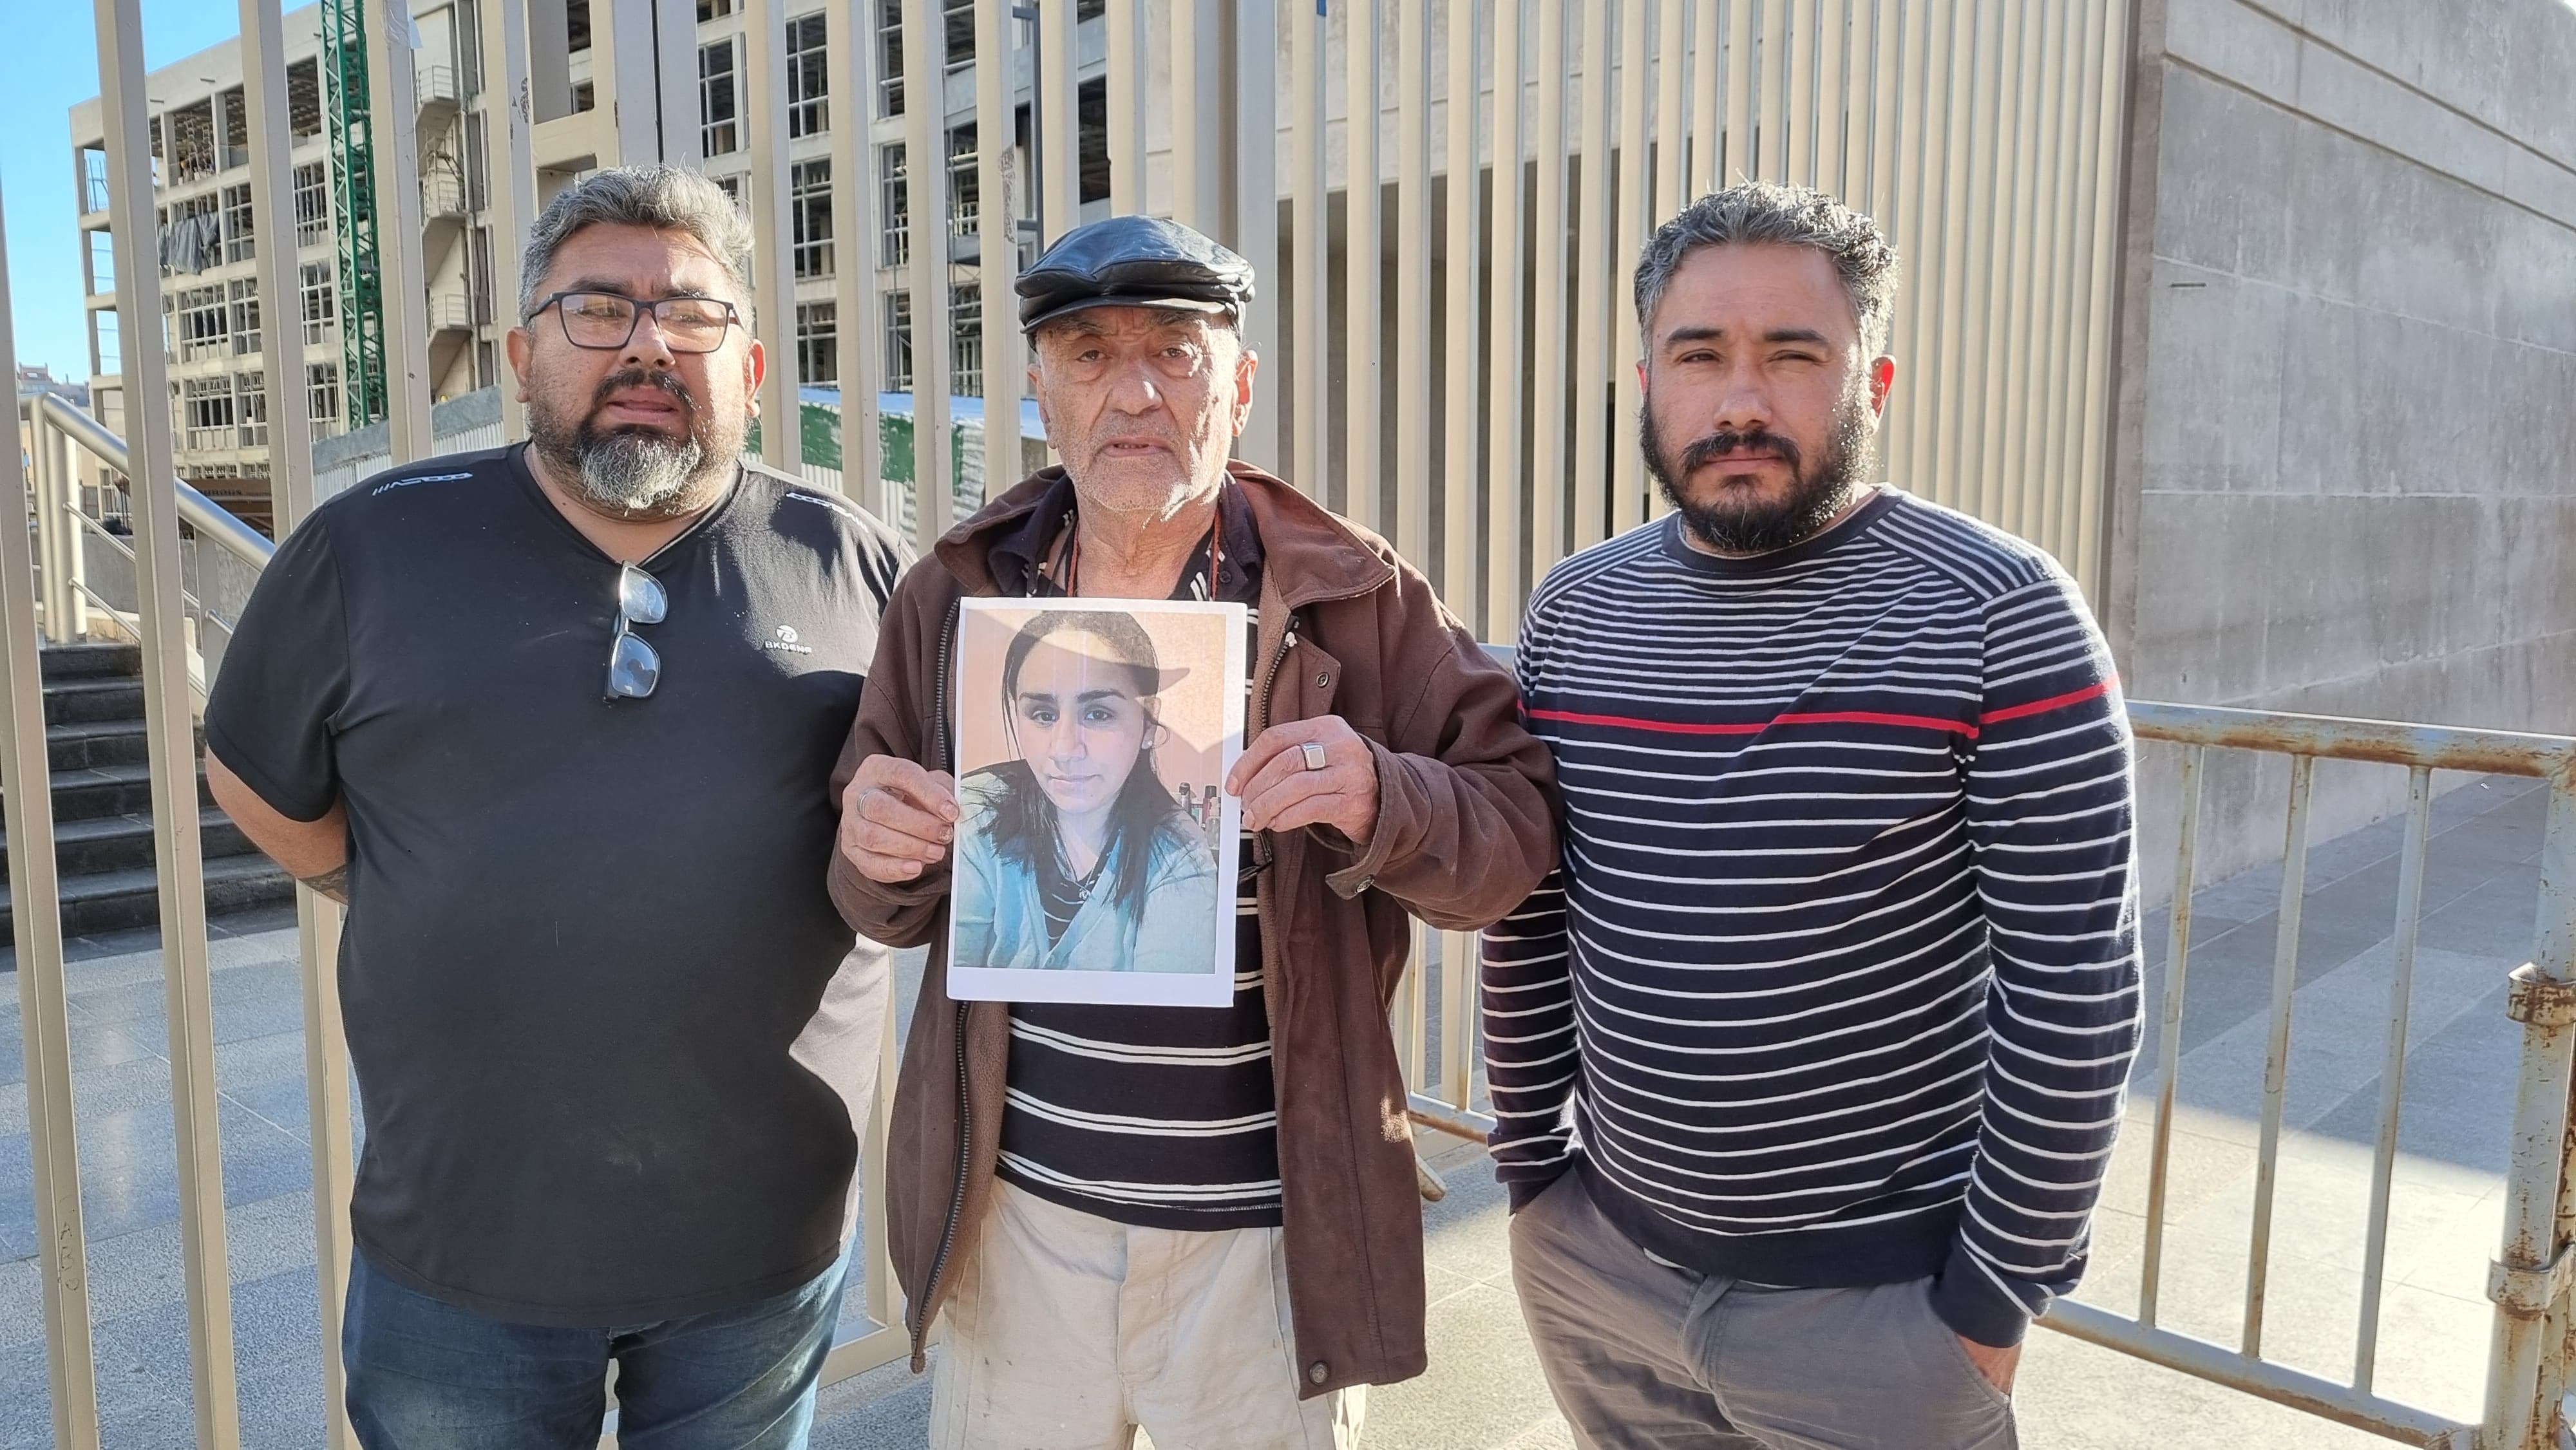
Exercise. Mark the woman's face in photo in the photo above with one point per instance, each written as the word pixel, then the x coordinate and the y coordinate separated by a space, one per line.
pixel 1079 722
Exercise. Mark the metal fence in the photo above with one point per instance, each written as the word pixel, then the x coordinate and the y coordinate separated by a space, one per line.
pixel 1455 374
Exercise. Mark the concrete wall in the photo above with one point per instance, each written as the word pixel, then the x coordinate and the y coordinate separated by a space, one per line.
pixel 2345 467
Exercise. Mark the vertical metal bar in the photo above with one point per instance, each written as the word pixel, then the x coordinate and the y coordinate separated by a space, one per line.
pixel 2276 1058
pixel 1197 27
pixel 1253 70
pixel 1886 116
pixel 2106 90
pixel 1947 159
pixel 2069 286
pixel 850 39
pixel 1547 353
pixel 45 494
pixel 1628 485
pixel 1806 132
pixel 1917 233
pixel 1741 49
pixel 2392 1072
pixel 1461 496
pixel 1855 94
pixel 1708 118
pixel 1311 335
pixel 1507 584
pixel 925 71
pixel 1458 962
pixel 290 499
pixel 2535 1187
pixel 1059 121
pixel 1363 266
pixel 510 162
pixel 2039 487
pixel 1999 486
pixel 1591 354
pixel 2169 1044
pixel 1672 118
pixel 1126 68
pixel 394 137
pixel 1413 281
pixel 773 259
pixel 169 730
pixel 27 813
pixel 997 236
pixel 1773 60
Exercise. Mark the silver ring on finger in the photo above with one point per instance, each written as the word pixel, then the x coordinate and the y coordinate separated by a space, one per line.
pixel 1314 753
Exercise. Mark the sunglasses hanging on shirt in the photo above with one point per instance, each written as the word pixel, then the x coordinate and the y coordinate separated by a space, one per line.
pixel 633 667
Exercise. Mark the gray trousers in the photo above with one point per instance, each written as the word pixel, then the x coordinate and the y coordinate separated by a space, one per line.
pixel 1642 1355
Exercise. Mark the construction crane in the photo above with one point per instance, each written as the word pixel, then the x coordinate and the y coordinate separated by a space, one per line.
pixel 353 194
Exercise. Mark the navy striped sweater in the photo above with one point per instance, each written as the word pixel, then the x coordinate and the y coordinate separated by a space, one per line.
pixel 1839 982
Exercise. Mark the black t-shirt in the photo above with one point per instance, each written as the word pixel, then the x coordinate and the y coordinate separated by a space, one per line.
pixel 584 934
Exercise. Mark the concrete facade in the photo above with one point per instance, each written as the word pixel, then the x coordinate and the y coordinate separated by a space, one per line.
pixel 2344 477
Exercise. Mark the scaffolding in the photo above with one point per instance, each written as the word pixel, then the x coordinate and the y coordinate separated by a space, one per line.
pixel 353 192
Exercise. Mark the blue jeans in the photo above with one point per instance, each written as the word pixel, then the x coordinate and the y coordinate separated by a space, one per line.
pixel 426 1375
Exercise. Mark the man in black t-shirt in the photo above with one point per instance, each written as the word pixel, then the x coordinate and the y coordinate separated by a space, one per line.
pixel 556 722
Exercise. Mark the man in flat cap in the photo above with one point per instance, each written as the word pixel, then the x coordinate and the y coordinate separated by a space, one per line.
pixel 1200 1221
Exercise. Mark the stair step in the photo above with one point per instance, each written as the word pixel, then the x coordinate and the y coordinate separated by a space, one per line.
pixel 82 700
pixel 122 843
pixel 85 744
pixel 117 900
pixel 109 790
pixel 89 661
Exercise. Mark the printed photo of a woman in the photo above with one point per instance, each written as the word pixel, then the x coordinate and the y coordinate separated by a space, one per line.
pixel 1074 854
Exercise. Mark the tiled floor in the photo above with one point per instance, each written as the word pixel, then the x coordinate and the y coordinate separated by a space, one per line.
pixel 1484 1389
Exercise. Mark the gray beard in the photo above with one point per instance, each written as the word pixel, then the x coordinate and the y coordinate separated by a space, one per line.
pixel 640 474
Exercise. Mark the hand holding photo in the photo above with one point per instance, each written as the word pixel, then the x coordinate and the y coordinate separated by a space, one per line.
pixel 1089 868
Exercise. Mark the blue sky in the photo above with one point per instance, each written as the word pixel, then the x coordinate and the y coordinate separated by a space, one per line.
pixel 48 64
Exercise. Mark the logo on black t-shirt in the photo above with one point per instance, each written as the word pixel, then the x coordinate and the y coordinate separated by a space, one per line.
pixel 787 641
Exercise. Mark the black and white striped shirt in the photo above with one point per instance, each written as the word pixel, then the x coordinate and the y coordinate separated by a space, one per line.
pixel 1164 1117
pixel 1840 976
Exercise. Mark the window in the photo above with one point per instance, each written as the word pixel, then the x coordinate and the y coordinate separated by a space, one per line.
pixel 236 118
pixel 304 100
pixel 1091 126
pixel 206 412
pixel 200 316
pixel 889 57
pixel 966 339
pixel 959 16
pixel 585 97
pixel 102 262
pixel 322 392
pixel 732 188
pixel 250 409
pixel 192 141
pixel 719 108
pixel 713 9
pixel 894 244
pixel 476 152
pixel 312 203
pixel 1089 9
pixel 321 302
pixel 111 356
pixel 239 243
pixel 94 184
pixel 807 72
pixel 242 301
pixel 809 204
pixel 898 353
pixel 577 26
pixel 818 342
pixel 962 182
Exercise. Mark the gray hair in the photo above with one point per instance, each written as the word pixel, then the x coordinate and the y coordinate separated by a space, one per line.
pixel 664 198
pixel 1752 213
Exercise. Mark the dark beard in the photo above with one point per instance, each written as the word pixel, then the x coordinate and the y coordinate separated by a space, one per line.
pixel 638 472
pixel 1815 494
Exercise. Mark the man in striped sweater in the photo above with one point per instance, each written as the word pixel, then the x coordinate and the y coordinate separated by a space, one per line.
pixel 1829 1009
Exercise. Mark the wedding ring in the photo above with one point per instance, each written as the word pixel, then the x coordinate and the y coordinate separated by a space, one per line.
pixel 1314 755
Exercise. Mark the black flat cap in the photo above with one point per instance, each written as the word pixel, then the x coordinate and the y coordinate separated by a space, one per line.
pixel 1133 261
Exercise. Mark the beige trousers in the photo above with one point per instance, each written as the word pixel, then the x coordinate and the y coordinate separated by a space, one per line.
pixel 1070 1332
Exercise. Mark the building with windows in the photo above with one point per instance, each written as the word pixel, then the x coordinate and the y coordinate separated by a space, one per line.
pixel 216 322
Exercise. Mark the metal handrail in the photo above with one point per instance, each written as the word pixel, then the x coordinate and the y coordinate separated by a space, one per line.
pixel 210 519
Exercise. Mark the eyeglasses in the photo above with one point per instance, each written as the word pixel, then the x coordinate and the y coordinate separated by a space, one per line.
pixel 633 668
pixel 605 321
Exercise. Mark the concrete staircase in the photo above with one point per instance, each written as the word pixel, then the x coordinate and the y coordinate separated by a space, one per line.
pixel 103 848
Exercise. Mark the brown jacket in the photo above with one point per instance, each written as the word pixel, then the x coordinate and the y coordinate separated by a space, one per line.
pixel 1465 830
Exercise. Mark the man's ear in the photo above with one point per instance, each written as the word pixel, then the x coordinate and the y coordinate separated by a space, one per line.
pixel 516 345
pixel 1882 378
pixel 1247 366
